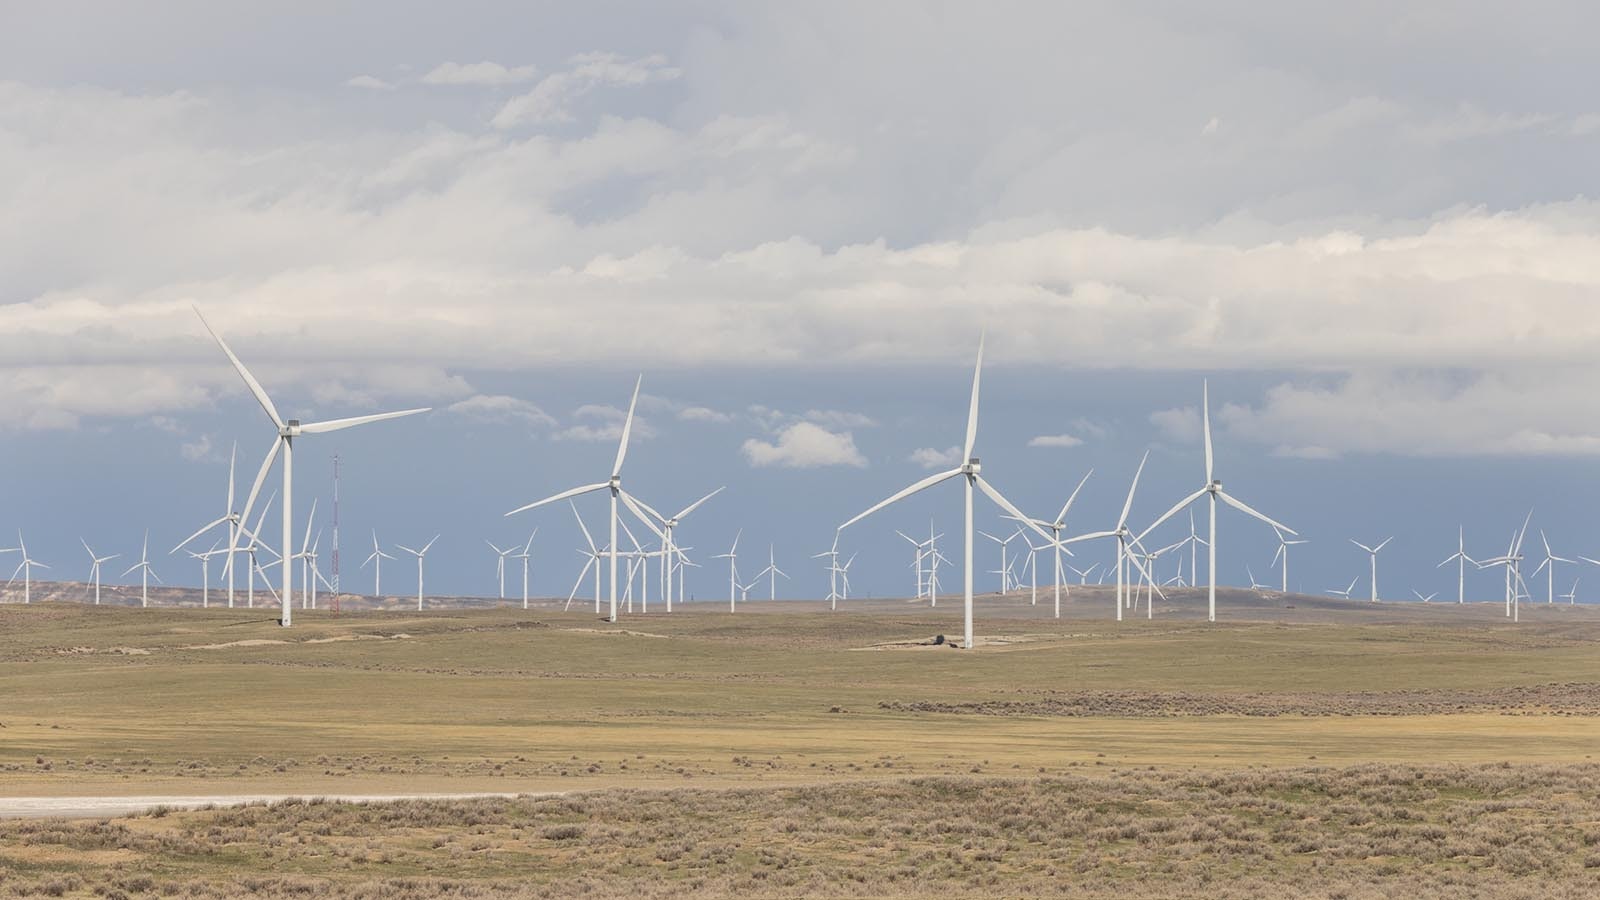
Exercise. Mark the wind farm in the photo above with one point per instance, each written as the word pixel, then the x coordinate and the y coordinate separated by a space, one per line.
pixel 889 575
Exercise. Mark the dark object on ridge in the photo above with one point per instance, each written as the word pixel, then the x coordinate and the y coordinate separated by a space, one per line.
pixel 938 639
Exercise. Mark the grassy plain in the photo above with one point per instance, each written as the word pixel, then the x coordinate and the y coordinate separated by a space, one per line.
pixel 719 722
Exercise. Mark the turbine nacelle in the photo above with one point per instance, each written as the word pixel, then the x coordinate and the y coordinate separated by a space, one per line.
pixel 1214 486
pixel 290 429
pixel 615 483
pixel 972 467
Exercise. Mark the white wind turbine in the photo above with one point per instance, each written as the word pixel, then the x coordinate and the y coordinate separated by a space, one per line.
pixel 1056 527
pixel 1004 571
pixel 1373 552
pixel 1283 553
pixel 969 471
pixel 1549 567
pixel 1346 592
pixel 205 572
pixel 918 548
pixel 94 567
pixel 772 572
pixel 595 555
pixel 844 575
pixel 1124 537
pixel 1083 574
pixel 305 555
pixel 1213 488
pixel 1460 558
pixel 527 551
pixel 26 568
pixel 1424 599
pixel 377 558
pixel 230 518
pixel 146 571
pixel 419 554
pixel 283 443
pixel 316 574
pixel 1512 562
pixel 671 558
pixel 250 550
pixel 732 556
pixel 614 486
pixel 832 556
pixel 1571 596
pixel 1254 584
pixel 500 564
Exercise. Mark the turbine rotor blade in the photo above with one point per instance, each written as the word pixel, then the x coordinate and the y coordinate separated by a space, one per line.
pixel 972 410
pixel 249 380
pixel 1240 506
pixel 561 496
pixel 925 483
pixel 627 429
pixel 338 424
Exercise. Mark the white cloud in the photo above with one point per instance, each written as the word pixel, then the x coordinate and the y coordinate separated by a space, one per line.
pixel 703 414
pixel 549 100
pixel 480 73
pixel 369 82
pixel 834 418
pixel 500 409
pixel 929 458
pixel 1055 440
pixel 1180 424
pixel 804 445
pixel 197 450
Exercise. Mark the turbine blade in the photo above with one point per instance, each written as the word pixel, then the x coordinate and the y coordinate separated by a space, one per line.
pixel 633 504
pixel 249 380
pixel 972 410
pixel 1007 505
pixel 696 505
pixel 627 429
pixel 1205 423
pixel 1128 505
pixel 1240 506
pixel 255 490
pixel 1176 508
pixel 1062 518
pixel 561 496
pixel 338 424
pixel 925 483
pixel 586 535
pixel 205 528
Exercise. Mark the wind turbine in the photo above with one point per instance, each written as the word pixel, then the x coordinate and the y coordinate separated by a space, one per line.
pixel 94 567
pixel 832 556
pixel 844 575
pixel 305 557
pixel 527 551
pixel 969 472
pixel 1124 537
pixel 1256 585
pixel 1083 574
pixel 283 442
pixel 1512 562
pixel 250 552
pixel 316 574
pixel 1005 569
pixel 377 558
pixel 670 558
pixel 1056 527
pixel 230 518
pixel 143 567
pixel 1549 564
pixel 418 554
pixel 1460 558
pixel 1428 598
pixel 594 562
pixel 205 573
pixel 918 549
pixel 500 564
pixel 772 572
pixel 26 568
pixel 614 486
pixel 1373 552
pixel 1213 487
pixel 1346 592
pixel 1283 552
pixel 1571 596
pixel 732 556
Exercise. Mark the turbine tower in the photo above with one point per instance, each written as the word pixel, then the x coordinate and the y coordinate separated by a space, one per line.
pixel 969 471
pixel 1548 566
pixel 527 551
pixel 1124 537
pixel 283 442
pixel 1283 552
pixel 26 568
pixel 732 556
pixel 230 518
pixel 1056 527
pixel 1213 488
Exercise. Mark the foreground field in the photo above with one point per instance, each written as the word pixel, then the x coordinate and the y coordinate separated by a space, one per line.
pixel 1370 831
pixel 781 749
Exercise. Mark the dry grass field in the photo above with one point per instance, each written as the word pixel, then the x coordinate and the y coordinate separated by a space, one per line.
pixel 1301 745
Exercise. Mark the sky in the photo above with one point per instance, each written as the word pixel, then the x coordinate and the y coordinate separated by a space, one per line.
pixel 1372 229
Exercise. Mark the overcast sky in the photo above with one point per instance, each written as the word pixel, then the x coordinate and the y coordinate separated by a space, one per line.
pixel 1375 230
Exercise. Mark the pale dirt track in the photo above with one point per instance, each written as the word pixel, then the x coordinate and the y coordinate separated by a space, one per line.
pixel 106 807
